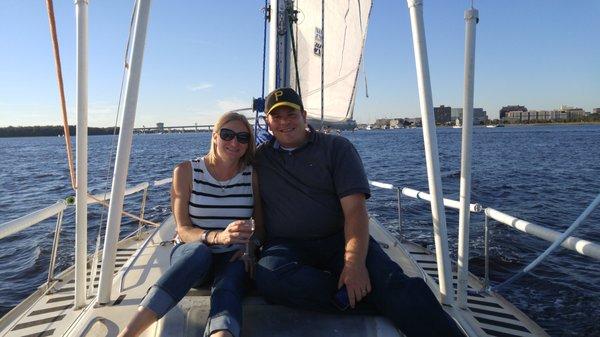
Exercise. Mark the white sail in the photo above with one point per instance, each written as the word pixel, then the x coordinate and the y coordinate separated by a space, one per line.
pixel 345 31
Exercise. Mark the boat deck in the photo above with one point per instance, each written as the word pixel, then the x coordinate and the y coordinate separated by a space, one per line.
pixel 51 312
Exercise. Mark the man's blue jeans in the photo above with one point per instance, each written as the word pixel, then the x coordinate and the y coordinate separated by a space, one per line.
pixel 193 264
pixel 305 274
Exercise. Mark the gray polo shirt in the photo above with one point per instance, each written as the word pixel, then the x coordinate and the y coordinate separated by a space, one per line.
pixel 301 189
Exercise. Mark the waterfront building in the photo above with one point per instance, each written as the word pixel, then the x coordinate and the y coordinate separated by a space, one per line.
pixel 564 113
pixel 505 109
pixel 381 123
pixel 479 115
pixel 573 113
pixel 442 114
pixel 596 110
pixel 416 121
pixel 456 113
pixel 395 123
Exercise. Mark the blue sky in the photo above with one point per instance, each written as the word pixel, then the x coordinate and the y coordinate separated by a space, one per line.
pixel 201 60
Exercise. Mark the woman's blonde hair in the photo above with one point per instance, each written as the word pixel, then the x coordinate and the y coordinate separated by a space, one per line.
pixel 224 119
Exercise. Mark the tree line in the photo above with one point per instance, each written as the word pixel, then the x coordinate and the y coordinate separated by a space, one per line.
pixel 50 131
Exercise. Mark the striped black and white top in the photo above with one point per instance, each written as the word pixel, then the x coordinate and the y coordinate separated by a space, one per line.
pixel 215 204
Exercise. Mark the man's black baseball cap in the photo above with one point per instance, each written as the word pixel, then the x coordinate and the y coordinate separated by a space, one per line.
pixel 283 97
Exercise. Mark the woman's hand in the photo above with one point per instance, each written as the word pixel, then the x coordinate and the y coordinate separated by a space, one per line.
pixel 238 231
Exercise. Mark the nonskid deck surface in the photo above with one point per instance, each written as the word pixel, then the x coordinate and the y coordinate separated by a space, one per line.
pixel 489 314
pixel 52 314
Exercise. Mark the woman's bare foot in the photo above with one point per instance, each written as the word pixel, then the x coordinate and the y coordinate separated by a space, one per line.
pixel 143 318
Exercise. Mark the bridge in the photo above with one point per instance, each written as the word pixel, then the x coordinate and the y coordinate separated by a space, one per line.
pixel 161 128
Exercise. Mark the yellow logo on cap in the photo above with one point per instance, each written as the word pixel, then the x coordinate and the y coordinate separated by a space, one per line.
pixel 278 94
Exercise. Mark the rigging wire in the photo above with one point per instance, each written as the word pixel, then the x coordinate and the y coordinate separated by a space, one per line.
pixel 294 51
pixel 61 89
pixel 58 65
pixel 267 10
pixel 365 77
pixel 268 16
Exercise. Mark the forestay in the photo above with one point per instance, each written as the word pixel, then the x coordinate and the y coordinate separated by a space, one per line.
pixel 345 30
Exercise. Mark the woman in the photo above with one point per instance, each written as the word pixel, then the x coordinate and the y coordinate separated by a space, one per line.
pixel 213 199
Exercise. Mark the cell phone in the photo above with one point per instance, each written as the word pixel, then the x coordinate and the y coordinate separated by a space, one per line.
pixel 340 299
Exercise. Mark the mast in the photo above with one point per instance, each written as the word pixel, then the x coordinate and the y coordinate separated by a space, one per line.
pixel 471 20
pixel 281 64
pixel 274 18
pixel 81 153
pixel 322 63
pixel 431 152
pixel 123 150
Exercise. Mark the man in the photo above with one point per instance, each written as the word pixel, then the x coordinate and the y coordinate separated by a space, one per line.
pixel 318 249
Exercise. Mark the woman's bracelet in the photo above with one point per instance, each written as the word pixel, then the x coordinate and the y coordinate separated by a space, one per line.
pixel 214 238
pixel 204 237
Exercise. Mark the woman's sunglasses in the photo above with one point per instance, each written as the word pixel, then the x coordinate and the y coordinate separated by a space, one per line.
pixel 227 135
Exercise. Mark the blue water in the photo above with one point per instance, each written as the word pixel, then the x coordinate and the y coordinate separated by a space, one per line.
pixel 543 174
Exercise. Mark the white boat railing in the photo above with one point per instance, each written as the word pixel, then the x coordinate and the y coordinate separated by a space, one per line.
pixel 409 192
pixel 17 225
pixel 24 222
pixel 573 243
pixel 581 246
pixel 578 245
pixel 96 198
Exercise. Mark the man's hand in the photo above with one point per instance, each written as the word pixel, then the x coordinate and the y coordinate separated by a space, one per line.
pixel 356 278
pixel 356 231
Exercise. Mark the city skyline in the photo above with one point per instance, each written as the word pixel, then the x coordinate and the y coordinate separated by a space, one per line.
pixel 533 53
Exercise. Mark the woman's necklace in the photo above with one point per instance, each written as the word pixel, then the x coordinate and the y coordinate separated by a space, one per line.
pixel 225 184
pixel 222 184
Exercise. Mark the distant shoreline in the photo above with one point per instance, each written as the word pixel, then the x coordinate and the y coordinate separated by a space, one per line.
pixel 50 131
pixel 542 124
pixel 533 124
pixel 58 131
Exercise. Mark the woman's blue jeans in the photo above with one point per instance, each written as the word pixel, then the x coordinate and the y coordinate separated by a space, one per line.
pixel 193 264
pixel 305 274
